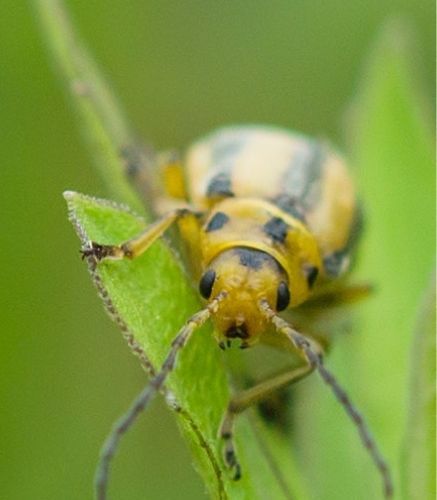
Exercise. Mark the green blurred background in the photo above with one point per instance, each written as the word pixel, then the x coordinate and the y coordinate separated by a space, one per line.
pixel 180 69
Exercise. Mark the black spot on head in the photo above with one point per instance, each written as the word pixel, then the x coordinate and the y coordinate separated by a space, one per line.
pixel 220 185
pixel 277 229
pixel 254 259
pixel 311 274
pixel 283 298
pixel 206 283
pixel 217 222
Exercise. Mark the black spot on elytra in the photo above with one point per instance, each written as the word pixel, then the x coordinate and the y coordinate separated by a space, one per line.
pixel 289 205
pixel 338 262
pixel 277 229
pixel 303 178
pixel 335 263
pixel 220 185
pixel 217 222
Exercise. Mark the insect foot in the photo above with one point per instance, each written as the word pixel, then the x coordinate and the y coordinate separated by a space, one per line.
pixel 232 463
pixel 98 252
pixel 230 457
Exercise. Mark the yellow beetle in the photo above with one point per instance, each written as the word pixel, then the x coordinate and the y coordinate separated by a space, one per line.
pixel 270 220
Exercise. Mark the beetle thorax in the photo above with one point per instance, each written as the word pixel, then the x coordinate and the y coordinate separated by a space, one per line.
pixel 260 226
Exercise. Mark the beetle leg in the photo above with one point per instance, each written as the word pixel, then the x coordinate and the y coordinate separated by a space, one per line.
pixel 311 353
pixel 247 398
pixel 139 244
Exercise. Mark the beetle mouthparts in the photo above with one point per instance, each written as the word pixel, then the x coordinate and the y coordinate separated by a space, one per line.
pixel 239 331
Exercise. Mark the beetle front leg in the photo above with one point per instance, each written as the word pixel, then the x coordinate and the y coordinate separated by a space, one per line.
pixel 139 244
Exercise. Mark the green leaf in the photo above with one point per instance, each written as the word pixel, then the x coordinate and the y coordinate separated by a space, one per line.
pixel 391 147
pixel 419 447
pixel 395 156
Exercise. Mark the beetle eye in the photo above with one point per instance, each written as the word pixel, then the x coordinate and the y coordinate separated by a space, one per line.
pixel 206 283
pixel 283 298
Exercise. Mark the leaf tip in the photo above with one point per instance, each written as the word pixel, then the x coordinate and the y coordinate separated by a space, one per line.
pixel 69 195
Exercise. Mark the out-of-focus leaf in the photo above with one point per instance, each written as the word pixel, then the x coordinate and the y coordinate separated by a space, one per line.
pixel 391 148
pixel 419 447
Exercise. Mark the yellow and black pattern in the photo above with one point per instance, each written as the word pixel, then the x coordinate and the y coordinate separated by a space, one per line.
pixel 302 178
pixel 256 224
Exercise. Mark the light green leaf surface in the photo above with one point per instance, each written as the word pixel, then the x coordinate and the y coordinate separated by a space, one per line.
pixel 419 466
pixel 391 147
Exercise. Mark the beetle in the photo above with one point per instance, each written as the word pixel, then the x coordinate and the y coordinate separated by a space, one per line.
pixel 270 220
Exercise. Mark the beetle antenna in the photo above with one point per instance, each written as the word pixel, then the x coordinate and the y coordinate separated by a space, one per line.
pixel 315 360
pixel 141 402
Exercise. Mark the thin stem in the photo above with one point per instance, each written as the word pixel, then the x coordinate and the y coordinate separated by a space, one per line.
pixel 101 119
